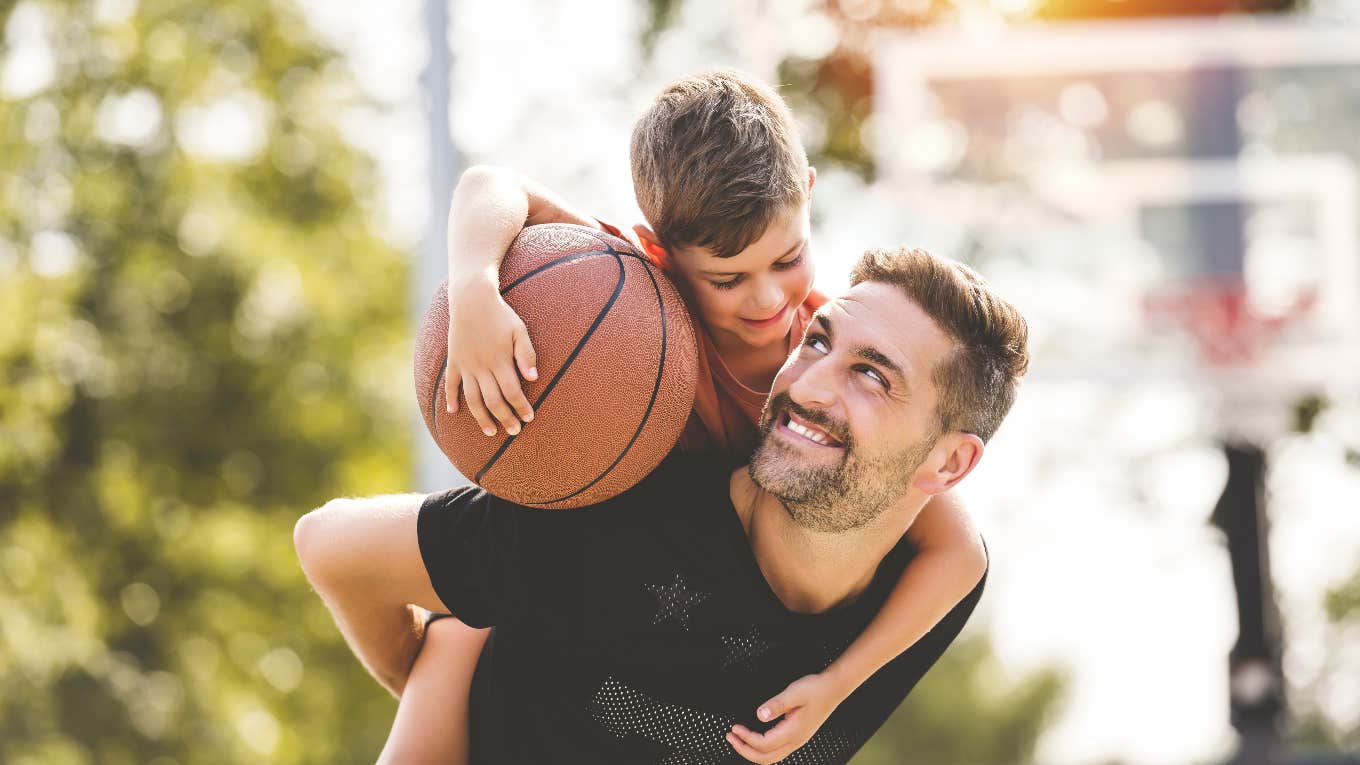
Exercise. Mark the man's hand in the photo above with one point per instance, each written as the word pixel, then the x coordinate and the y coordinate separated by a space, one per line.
pixel 804 705
pixel 488 350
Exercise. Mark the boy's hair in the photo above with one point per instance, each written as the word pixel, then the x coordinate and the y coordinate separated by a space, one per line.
pixel 715 158
pixel 975 384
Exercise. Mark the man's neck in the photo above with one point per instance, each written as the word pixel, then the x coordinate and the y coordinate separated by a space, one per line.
pixel 812 571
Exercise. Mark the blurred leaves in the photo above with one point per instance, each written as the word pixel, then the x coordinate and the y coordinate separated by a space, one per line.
pixel 961 712
pixel 204 339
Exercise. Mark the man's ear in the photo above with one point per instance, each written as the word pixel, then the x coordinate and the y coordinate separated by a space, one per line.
pixel 954 456
pixel 651 243
pixel 812 178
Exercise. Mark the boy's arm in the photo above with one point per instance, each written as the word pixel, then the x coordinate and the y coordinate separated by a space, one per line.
pixel 487 340
pixel 363 559
pixel 950 562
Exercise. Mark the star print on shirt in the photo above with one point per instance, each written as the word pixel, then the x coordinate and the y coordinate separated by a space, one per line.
pixel 744 649
pixel 675 601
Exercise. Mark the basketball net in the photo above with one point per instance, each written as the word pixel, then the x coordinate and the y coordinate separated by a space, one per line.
pixel 1218 313
pixel 1234 338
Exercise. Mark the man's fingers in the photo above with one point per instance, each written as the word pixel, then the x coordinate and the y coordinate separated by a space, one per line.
pixel 514 394
pixel 472 393
pixel 495 402
pixel 525 356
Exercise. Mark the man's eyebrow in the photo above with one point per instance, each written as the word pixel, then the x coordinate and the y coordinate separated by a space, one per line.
pixel 868 353
pixel 787 253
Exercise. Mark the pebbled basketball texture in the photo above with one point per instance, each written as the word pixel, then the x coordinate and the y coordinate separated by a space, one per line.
pixel 617 361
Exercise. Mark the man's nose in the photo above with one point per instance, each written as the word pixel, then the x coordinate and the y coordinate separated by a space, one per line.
pixel 815 386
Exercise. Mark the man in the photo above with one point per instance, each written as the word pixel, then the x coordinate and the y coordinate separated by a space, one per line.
pixel 649 628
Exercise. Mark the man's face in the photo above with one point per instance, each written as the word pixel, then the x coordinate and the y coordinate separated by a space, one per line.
pixel 851 415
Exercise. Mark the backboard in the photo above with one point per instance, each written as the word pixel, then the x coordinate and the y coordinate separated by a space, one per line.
pixel 1116 169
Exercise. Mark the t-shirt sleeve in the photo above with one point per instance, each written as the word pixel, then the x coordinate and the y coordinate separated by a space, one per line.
pixel 467 541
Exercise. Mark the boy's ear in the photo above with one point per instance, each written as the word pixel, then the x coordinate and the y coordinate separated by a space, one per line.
pixel 812 178
pixel 650 241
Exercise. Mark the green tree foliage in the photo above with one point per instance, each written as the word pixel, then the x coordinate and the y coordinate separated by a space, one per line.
pixel 197 349
pixel 962 713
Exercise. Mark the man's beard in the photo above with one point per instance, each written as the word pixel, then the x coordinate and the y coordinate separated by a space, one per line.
pixel 831 498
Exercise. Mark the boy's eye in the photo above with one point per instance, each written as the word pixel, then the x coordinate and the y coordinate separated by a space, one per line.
pixel 784 265
pixel 727 285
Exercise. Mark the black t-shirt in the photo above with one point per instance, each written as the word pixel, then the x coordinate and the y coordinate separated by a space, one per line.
pixel 640 629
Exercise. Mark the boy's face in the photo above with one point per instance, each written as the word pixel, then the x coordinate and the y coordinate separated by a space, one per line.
pixel 751 297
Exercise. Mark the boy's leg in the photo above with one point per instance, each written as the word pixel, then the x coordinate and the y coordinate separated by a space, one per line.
pixel 432 717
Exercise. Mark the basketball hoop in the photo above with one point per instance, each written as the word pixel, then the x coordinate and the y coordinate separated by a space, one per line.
pixel 1219 314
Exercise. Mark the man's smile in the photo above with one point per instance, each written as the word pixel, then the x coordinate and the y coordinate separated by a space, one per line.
pixel 806 431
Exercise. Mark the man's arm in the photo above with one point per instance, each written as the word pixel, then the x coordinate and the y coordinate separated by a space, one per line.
pixel 363 558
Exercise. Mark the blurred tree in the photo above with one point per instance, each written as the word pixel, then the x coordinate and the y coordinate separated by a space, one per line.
pixel 961 713
pixel 1314 729
pixel 203 339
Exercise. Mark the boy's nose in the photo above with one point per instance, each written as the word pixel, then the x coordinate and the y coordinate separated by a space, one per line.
pixel 769 297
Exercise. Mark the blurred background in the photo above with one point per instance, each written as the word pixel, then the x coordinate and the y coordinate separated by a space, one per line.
pixel 219 221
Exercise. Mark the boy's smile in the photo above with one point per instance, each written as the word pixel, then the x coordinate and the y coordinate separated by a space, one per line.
pixel 748 301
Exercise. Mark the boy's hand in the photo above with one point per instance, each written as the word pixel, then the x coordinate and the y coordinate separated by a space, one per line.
pixel 805 705
pixel 487 341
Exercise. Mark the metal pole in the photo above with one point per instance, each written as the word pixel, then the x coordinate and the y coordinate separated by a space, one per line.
pixel 429 267
pixel 1255 675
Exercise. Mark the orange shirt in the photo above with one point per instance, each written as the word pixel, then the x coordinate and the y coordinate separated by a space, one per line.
pixel 725 409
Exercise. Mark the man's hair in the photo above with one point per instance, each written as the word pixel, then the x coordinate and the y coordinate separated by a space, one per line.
pixel 716 158
pixel 975 384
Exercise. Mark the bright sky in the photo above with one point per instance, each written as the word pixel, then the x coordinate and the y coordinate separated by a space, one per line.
pixel 1093 496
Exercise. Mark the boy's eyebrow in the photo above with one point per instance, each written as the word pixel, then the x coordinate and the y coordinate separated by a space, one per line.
pixel 787 253
pixel 866 352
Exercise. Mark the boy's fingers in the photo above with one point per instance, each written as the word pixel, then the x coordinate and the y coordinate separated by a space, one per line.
pixel 472 393
pixel 451 383
pixel 514 394
pixel 525 356
pixel 783 735
pixel 747 751
pixel 774 708
pixel 757 741
pixel 495 402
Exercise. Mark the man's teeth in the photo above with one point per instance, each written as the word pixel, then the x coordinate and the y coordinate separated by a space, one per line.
pixel 808 433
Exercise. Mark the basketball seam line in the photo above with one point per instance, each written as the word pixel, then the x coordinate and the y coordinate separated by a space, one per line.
pixel 562 370
pixel 651 403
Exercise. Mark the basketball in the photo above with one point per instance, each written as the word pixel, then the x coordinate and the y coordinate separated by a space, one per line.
pixel 617 362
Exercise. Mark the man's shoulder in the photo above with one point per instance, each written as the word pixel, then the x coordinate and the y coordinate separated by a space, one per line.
pixel 682 477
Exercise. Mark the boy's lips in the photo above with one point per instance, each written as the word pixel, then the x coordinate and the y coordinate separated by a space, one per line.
pixel 770 322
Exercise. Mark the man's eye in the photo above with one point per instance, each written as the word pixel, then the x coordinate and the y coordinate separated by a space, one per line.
pixel 873 374
pixel 816 342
